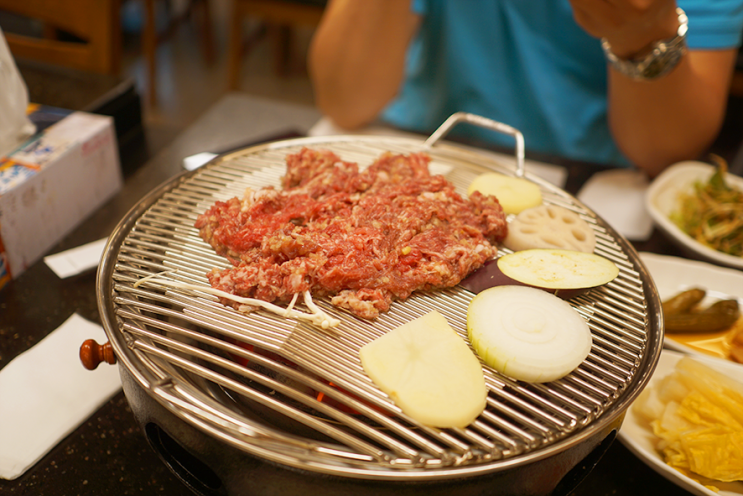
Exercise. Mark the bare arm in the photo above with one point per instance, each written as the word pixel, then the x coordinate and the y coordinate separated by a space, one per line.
pixel 357 57
pixel 673 119
pixel 676 117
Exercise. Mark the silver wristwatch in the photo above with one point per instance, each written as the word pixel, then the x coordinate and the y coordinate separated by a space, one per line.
pixel 664 56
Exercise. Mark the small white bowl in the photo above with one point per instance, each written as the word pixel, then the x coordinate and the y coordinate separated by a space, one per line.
pixel 662 198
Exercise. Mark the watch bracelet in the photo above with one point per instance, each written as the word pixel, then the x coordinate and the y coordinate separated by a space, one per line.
pixel 662 59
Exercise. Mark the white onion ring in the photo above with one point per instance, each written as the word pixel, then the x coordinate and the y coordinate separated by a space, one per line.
pixel 527 333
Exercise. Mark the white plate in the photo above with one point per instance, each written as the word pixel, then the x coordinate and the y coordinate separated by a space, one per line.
pixel 673 275
pixel 640 440
pixel 662 198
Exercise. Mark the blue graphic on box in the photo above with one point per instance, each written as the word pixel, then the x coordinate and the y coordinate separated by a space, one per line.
pixel 4 270
pixel 12 174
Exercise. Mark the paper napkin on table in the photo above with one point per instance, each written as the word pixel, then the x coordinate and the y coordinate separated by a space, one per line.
pixel 46 393
pixel 76 260
pixel 618 197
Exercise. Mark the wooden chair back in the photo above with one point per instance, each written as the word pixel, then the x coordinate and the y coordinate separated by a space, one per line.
pixel 95 23
pixel 282 14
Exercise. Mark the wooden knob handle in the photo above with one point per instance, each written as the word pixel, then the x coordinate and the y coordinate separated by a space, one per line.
pixel 92 354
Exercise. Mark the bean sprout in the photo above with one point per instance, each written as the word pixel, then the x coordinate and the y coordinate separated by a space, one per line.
pixel 316 315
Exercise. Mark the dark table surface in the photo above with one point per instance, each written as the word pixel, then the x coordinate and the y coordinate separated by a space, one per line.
pixel 108 454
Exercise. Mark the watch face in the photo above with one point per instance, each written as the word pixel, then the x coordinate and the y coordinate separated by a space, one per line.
pixel 663 63
pixel 655 67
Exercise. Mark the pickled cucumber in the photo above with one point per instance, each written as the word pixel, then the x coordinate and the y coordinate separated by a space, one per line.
pixel 716 317
pixel 683 302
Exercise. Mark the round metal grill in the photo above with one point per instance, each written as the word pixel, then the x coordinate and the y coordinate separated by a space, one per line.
pixel 297 395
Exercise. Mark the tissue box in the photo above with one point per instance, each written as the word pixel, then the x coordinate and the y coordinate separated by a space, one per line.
pixel 53 182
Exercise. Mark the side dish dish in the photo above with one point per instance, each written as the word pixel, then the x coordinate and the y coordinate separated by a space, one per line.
pixel 696 415
pixel 715 326
pixel 712 213
pixel 683 313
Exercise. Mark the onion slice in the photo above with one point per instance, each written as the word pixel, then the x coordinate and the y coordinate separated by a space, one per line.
pixel 527 333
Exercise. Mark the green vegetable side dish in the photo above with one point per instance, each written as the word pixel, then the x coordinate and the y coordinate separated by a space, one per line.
pixel 713 214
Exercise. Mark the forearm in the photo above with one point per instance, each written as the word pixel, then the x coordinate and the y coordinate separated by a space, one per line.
pixel 671 118
pixel 357 57
pixel 674 118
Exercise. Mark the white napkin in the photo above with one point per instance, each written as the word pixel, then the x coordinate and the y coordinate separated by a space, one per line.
pixel 618 196
pixel 46 393
pixel 76 260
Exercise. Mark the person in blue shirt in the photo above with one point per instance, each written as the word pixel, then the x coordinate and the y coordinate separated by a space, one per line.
pixel 574 76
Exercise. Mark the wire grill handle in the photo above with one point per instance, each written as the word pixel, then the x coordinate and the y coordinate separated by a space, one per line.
pixel 477 120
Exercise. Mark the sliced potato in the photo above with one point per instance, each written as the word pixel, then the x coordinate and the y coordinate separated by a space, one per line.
pixel 429 371
pixel 514 193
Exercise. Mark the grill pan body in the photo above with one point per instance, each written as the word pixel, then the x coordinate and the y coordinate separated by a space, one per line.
pixel 240 395
pixel 210 467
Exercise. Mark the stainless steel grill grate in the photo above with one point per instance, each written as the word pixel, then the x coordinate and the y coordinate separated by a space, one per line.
pixel 294 394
